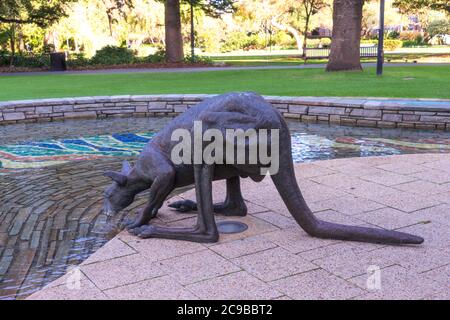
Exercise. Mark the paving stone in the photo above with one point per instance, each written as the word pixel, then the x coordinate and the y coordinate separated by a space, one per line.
pixel 349 205
pixel 436 235
pixel 160 249
pixel 256 226
pixel 336 217
pixel 273 264
pixel 423 187
pixel 332 249
pixel 436 176
pixel 441 275
pixel 399 283
pixel 439 214
pixel 276 219
pixel 389 218
pixel 162 288
pixel 402 168
pixel 120 271
pixel 311 170
pixel 113 249
pixel 86 291
pixel 317 285
pixel 440 164
pixel 242 247
pixel 350 263
pixel 355 169
pixel 197 266
pixel 296 240
pixel 234 286
pixel 253 208
pixel 388 179
pixel 406 202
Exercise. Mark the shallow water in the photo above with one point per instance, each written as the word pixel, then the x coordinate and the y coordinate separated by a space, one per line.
pixel 51 185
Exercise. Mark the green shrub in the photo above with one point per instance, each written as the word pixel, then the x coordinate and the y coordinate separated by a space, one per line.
pixel 78 60
pixel 438 27
pixel 391 45
pixel 4 58
pixel 393 35
pixel 158 57
pixel 111 55
pixel 411 36
pixel 369 41
pixel 283 40
pixel 25 60
pixel 198 59
pixel 243 41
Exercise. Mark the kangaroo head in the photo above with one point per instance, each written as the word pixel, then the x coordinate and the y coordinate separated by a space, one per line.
pixel 120 194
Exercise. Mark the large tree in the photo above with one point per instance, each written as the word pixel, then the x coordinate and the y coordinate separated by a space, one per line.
pixel 174 39
pixel 346 41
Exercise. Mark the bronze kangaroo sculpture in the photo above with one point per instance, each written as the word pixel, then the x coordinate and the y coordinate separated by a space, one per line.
pixel 154 170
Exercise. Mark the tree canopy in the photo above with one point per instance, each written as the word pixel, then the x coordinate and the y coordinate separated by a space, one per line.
pixel 213 8
pixel 39 12
pixel 413 5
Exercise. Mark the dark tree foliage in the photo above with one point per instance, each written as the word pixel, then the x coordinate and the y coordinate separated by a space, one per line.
pixel 39 12
pixel 214 8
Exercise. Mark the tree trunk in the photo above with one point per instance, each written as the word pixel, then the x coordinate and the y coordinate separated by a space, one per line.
pixel 174 39
pixel 291 30
pixel 12 45
pixel 346 41
pixel 305 36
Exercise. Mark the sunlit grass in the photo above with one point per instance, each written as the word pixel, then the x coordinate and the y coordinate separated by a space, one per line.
pixel 403 82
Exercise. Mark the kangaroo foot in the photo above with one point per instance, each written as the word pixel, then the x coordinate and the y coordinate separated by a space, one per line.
pixel 231 209
pixel 143 217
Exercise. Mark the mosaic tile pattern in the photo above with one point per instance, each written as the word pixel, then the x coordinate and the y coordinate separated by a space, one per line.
pixel 305 147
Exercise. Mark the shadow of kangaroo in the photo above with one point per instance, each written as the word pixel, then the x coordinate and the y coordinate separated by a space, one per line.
pixel 154 170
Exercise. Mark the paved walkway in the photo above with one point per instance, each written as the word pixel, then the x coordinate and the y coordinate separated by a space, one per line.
pixel 208 69
pixel 275 259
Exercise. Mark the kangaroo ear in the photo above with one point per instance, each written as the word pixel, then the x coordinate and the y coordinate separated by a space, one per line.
pixel 126 168
pixel 117 177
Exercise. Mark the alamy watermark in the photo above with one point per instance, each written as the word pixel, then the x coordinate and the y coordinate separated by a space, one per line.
pixel 373 278
pixel 73 280
pixel 233 146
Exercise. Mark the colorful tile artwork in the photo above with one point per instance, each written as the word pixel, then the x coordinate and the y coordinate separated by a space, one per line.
pixel 28 155
pixel 305 147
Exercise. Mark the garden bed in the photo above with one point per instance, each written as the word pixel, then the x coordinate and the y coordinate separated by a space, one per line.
pixel 114 66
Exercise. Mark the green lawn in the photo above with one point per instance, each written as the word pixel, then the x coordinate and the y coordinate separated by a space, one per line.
pixel 292 60
pixel 406 82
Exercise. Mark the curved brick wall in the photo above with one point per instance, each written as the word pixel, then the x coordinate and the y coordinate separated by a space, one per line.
pixel 382 113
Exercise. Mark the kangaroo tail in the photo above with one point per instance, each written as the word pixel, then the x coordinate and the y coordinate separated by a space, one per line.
pixel 287 187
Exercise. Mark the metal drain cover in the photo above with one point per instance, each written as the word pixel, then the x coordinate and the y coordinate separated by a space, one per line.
pixel 229 227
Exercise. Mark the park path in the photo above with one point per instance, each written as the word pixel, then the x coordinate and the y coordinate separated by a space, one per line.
pixel 275 259
pixel 206 69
